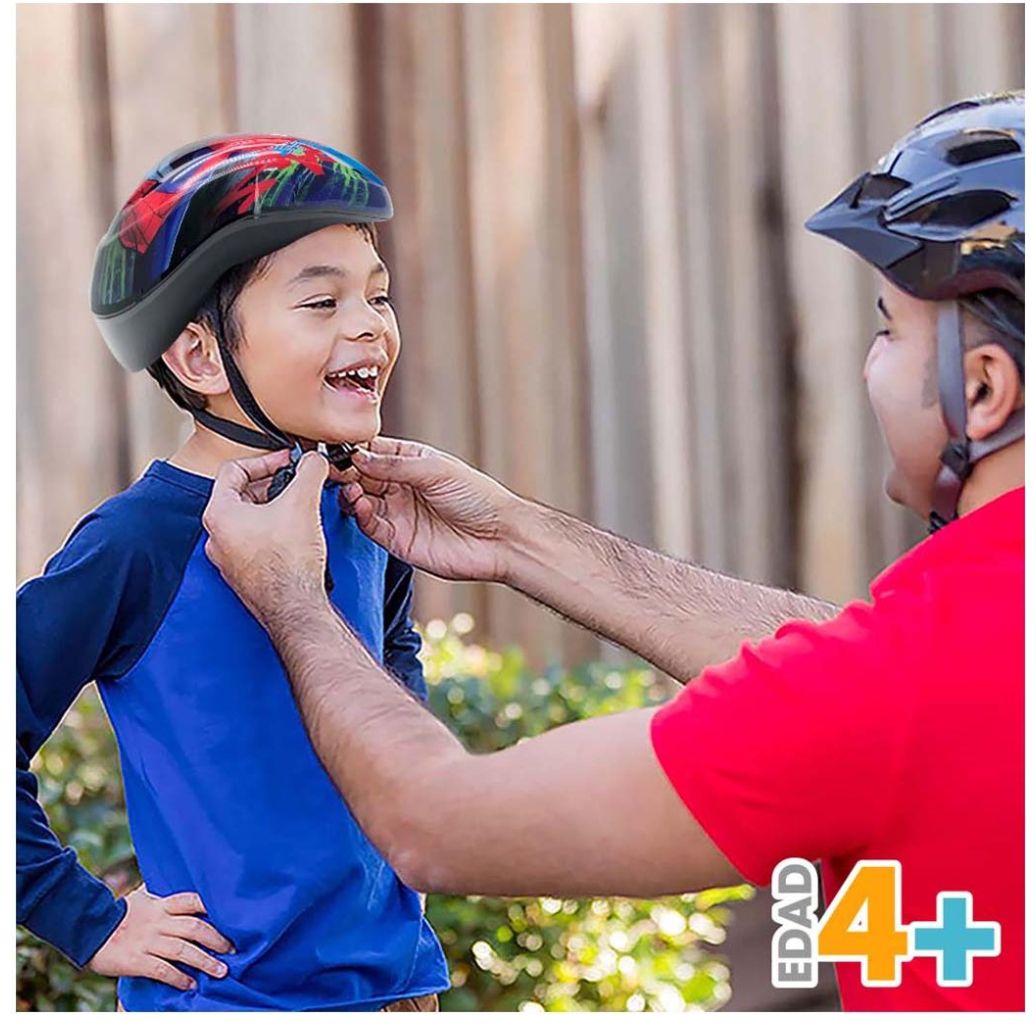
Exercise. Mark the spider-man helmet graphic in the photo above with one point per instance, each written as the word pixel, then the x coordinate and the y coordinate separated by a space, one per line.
pixel 205 208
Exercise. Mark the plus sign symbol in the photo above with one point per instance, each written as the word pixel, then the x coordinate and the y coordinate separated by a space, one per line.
pixel 955 938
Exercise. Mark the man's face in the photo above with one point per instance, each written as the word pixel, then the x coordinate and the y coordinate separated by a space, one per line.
pixel 902 381
pixel 320 308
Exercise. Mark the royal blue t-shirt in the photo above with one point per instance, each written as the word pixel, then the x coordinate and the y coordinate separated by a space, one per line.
pixel 224 792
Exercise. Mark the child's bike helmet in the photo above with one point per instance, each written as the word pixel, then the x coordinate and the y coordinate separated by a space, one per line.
pixel 204 209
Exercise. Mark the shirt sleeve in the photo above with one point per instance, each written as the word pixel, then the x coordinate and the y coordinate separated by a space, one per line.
pixel 795 746
pixel 68 633
pixel 402 641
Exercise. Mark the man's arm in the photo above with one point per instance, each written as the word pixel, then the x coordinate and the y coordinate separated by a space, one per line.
pixel 441 515
pixel 676 615
pixel 581 810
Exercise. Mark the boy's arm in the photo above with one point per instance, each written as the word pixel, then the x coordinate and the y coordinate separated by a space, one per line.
pixel 402 642
pixel 64 623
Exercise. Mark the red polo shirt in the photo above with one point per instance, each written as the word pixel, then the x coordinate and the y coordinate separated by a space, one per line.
pixel 892 732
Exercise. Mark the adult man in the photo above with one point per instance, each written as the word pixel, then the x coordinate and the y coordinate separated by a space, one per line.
pixel 889 730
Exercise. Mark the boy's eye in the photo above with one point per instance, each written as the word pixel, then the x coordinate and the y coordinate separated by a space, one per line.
pixel 320 304
pixel 384 299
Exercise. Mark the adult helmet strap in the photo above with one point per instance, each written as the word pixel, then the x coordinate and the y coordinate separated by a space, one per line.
pixel 960 454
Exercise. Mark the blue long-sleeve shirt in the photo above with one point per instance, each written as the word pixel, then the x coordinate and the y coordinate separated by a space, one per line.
pixel 224 793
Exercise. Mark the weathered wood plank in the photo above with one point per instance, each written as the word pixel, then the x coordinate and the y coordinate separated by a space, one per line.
pixel 518 187
pixel 296 71
pixel 820 155
pixel 68 417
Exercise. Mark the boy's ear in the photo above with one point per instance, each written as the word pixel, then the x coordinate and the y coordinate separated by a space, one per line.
pixel 194 358
pixel 993 388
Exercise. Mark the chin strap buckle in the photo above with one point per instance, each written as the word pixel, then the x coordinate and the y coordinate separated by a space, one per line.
pixel 957 457
pixel 339 454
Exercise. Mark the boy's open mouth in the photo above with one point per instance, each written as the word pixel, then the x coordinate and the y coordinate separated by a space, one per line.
pixel 362 380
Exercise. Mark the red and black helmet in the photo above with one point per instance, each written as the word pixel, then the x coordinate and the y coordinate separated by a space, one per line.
pixel 206 208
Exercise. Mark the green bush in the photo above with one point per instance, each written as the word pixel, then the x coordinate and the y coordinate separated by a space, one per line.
pixel 504 955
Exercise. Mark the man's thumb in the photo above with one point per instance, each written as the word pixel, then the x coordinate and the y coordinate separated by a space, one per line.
pixel 311 474
pixel 390 467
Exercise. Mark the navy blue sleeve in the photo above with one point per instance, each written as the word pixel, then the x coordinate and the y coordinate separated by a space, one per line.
pixel 78 621
pixel 402 641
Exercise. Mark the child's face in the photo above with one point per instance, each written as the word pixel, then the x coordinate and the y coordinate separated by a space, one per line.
pixel 319 309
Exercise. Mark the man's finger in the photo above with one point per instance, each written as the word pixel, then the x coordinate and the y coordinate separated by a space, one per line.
pixel 372 524
pixel 389 467
pixel 386 445
pixel 310 476
pixel 235 476
pixel 263 466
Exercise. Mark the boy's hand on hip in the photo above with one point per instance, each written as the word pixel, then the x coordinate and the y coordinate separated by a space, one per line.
pixel 157 933
pixel 270 553
pixel 430 509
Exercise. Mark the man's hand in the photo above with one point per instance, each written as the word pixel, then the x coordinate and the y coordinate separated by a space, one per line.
pixel 430 509
pixel 270 553
pixel 437 513
pixel 157 931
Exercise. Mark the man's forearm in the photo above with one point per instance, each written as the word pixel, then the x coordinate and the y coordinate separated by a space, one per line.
pixel 512 822
pixel 379 745
pixel 674 614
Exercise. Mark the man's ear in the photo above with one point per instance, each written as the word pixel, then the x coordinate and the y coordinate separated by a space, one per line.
pixel 993 388
pixel 194 358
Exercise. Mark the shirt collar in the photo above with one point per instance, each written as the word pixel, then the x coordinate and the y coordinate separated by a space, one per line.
pixel 997 527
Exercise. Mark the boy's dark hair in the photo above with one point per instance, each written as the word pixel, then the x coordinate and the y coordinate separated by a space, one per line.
pixel 218 313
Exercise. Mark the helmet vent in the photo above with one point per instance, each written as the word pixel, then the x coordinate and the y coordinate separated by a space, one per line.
pixel 881 187
pixel 975 147
pixel 961 210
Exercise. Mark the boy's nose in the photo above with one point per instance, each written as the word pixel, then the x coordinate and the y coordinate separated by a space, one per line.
pixel 362 323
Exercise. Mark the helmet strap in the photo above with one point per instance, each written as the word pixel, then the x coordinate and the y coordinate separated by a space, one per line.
pixel 960 454
pixel 269 436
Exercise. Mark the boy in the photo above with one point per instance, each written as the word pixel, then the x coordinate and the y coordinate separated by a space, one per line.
pixel 242 269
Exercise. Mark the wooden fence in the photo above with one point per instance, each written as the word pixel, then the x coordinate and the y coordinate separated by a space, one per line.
pixel 606 294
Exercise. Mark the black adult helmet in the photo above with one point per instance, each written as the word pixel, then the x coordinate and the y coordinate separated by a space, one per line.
pixel 942 215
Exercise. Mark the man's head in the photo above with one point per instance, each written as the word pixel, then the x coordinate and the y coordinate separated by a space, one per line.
pixel 902 377
pixel 295 321
pixel 244 274
pixel 942 218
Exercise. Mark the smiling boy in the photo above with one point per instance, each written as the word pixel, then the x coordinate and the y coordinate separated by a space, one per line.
pixel 244 275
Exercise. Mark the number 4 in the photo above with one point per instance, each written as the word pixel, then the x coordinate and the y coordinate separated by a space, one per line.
pixel 863 923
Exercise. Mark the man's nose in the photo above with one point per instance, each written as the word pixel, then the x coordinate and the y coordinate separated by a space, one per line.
pixel 871 353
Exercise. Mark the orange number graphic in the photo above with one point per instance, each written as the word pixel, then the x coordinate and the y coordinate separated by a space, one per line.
pixel 862 923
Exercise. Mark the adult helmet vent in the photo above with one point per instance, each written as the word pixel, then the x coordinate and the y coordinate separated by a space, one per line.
pixel 970 209
pixel 975 147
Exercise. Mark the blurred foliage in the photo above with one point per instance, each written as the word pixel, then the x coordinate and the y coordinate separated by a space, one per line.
pixel 504 955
